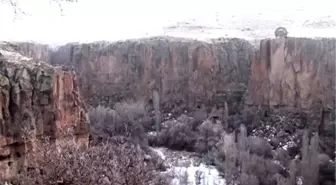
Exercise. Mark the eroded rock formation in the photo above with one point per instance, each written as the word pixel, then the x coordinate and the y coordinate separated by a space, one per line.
pixel 36 100
pixel 294 72
pixel 184 71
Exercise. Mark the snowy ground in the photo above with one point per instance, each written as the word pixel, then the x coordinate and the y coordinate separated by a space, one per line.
pixel 187 169
pixel 88 20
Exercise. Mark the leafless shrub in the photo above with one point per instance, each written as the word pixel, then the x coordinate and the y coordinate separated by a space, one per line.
pixel 280 180
pixel 246 179
pixel 240 165
pixel 175 134
pixel 114 162
pixel 179 136
pixel 126 119
pixel 259 146
pixel 131 110
pixel 208 134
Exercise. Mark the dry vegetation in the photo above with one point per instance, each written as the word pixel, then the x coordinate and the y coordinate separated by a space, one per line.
pixel 241 166
pixel 117 161
pixel 116 157
pixel 126 119
pixel 244 160
pixel 118 153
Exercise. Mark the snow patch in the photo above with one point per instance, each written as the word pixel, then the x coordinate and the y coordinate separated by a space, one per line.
pixel 200 175
pixel 159 152
pixel 186 169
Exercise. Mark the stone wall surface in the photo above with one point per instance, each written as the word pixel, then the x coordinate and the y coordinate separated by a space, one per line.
pixel 184 71
pixel 36 100
pixel 294 72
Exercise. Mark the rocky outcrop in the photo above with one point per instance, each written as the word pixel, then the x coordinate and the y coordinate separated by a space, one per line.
pixel 38 52
pixel 36 100
pixel 294 72
pixel 183 71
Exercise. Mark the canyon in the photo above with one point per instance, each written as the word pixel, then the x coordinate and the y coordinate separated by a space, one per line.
pixel 295 75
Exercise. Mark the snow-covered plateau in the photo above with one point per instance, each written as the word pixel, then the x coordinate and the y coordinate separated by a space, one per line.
pixel 110 20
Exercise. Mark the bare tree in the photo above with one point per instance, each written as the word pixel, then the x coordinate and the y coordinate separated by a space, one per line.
pixel 126 119
pixel 241 166
pixel 115 162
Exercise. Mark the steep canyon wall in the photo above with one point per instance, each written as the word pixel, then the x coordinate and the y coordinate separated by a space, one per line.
pixel 185 72
pixel 294 72
pixel 36 100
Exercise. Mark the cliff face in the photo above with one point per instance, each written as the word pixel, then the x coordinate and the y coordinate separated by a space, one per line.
pixel 36 100
pixel 184 71
pixel 38 52
pixel 294 72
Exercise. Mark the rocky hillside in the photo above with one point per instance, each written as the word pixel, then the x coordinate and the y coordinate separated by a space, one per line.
pixel 36 100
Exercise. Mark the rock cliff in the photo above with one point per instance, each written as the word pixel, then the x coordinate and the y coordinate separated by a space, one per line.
pixel 184 71
pixel 294 72
pixel 36 100
pixel 38 52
